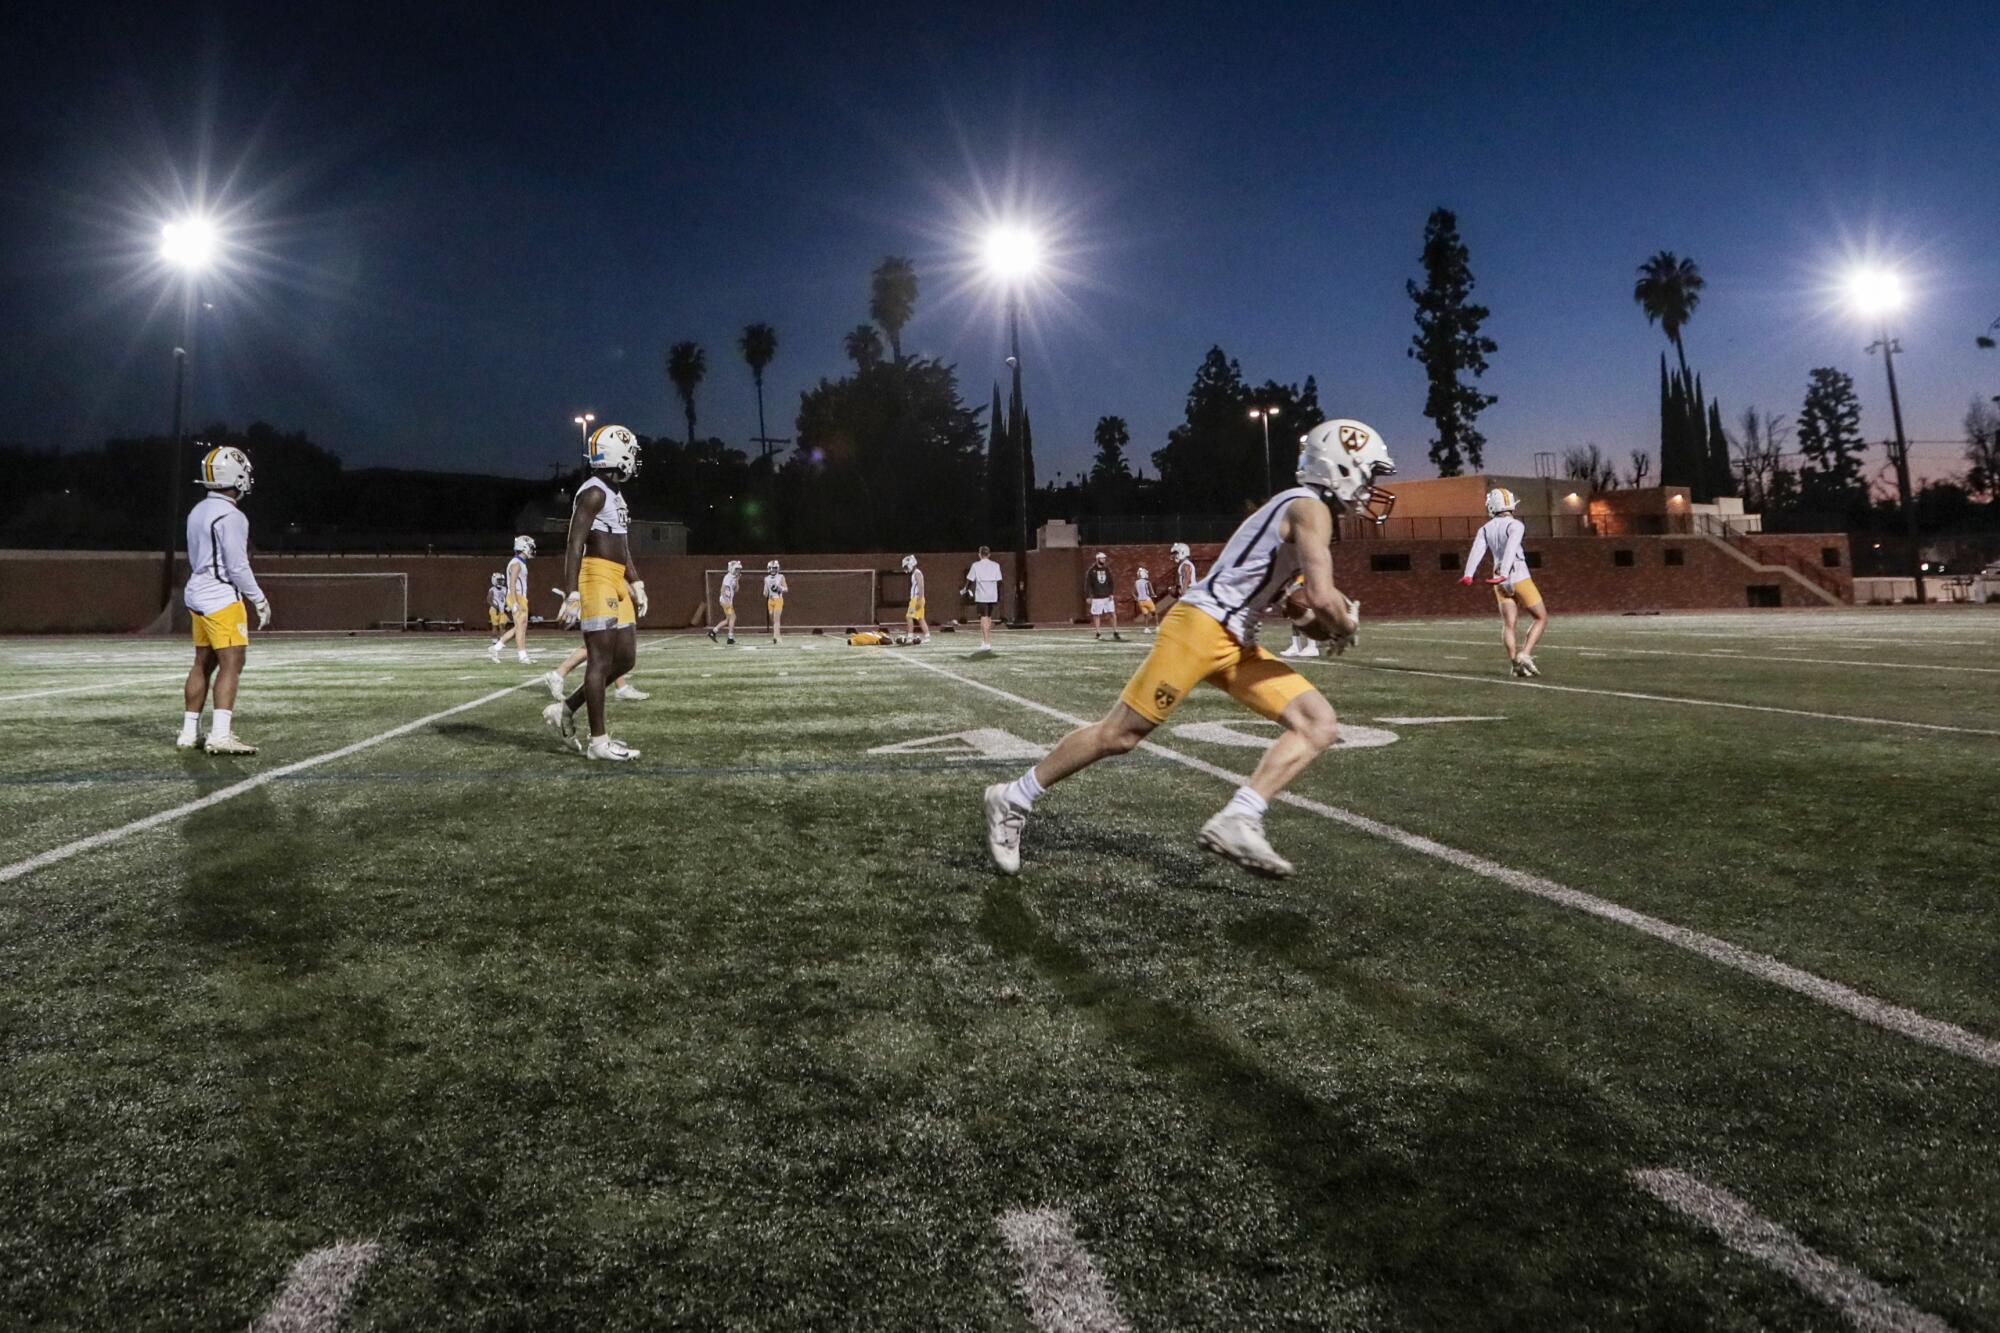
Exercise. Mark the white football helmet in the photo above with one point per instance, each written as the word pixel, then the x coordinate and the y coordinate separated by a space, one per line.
pixel 909 563
pixel 771 568
pixel 498 579
pixel 1500 501
pixel 1101 557
pixel 524 546
pixel 736 566
pixel 1143 574
pixel 225 468
pixel 1179 551
pixel 614 449
pixel 1341 459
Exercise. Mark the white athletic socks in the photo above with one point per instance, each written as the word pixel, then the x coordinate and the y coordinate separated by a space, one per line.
pixel 190 727
pixel 1248 804
pixel 1023 791
pixel 224 722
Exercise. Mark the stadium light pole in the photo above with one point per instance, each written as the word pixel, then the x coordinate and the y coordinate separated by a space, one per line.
pixel 583 425
pixel 188 245
pixel 1012 255
pixel 1876 294
pixel 1266 413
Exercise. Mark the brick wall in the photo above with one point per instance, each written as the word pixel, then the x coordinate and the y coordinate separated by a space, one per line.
pixel 70 592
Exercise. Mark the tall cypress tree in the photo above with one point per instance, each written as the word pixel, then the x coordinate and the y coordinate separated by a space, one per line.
pixel 1697 443
pixel 1000 484
pixel 1721 481
pixel 1667 420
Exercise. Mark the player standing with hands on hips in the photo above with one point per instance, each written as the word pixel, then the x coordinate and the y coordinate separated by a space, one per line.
pixel 606 595
pixel 219 583
pixel 1501 535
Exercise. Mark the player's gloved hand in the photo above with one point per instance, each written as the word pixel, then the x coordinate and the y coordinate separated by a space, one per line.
pixel 1466 581
pixel 572 608
pixel 263 605
pixel 1496 580
pixel 639 597
pixel 1346 635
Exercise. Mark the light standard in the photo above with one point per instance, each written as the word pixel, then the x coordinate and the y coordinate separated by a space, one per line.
pixel 1012 255
pixel 1266 413
pixel 583 425
pixel 187 244
pixel 1876 294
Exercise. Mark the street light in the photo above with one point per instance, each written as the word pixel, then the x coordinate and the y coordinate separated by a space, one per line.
pixel 1266 413
pixel 187 245
pixel 1012 255
pixel 1876 294
pixel 583 425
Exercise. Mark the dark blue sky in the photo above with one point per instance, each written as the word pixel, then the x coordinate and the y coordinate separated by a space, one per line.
pixel 456 226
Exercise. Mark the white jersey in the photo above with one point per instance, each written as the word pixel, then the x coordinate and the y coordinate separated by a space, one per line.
pixel 218 547
pixel 517 578
pixel 774 586
pixel 1185 576
pixel 985 576
pixel 496 597
pixel 916 584
pixel 1253 569
pixel 1142 590
pixel 729 578
pixel 1501 538
pixel 614 517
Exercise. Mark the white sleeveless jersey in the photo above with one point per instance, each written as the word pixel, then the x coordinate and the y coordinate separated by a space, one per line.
pixel 614 517
pixel 517 578
pixel 729 585
pixel 1142 590
pixel 774 586
pixel 1184 575
pixel 1252 570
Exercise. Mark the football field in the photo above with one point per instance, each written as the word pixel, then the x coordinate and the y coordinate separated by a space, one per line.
pixel 1661 992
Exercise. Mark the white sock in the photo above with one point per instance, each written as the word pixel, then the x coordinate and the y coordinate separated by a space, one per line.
pixel 1023 791
pixel 224 724
pixel 1248 803
pixel 190 726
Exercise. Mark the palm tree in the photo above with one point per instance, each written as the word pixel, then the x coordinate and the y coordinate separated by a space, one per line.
pixel 864 346
pixel 687 366
pixel 1668 290
pixel 893 299
pixel 759 344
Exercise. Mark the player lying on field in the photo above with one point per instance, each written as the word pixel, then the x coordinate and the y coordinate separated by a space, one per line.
pixel 219 582
pixel 605 594
pixel 1211 635
pixel 1501 535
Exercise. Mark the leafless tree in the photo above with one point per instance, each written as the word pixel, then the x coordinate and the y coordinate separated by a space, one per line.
pixel 1982 449
pixel 1758 442
pixel 1590 466
pixel 1642 468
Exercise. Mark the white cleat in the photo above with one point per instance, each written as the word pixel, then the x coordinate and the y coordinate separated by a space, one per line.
pixel 1240 838
pixel 187 742
pixel 493 653
pixel 631 694
pixel 604 747
pixel 228 743
pixel 1525 665
pixel 524 658
pixel 554 681
pixel 1309 650
pixel 1004 822
pixel 564 722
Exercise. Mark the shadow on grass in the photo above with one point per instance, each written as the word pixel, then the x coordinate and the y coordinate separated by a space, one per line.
pixel 248 889
pixel 1466 1179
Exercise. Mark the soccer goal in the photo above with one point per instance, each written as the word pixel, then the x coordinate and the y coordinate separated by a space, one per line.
pixel 337 601
pixel 818 598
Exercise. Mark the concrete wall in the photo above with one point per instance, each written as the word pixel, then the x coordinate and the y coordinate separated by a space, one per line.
pixel 70 592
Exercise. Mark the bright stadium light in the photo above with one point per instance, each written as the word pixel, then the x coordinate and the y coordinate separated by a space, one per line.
pixel 1012 253
pixel 1875 293
pixel 188 243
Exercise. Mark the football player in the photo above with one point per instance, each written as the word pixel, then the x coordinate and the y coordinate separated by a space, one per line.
pixel 1142 599
pixel 605 594
pixel 219 584
pixel 775 588
pixel 1211 636
pixel 1184 575
pixel 915 628
pixel 517 601
pixel 1500 537
pixel 496 606
pixel 984 579
pixel 1102 597
pixel 727 599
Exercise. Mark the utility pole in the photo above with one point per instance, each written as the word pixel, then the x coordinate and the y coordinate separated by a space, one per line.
pixel 1900 454
pixel 176 452
pixel 1014 434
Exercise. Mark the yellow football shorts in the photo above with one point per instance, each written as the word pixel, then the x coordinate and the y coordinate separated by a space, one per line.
pixel 517 606
pixel 607 598
pixel 915 610
pixel 1192 647
pixel 1523 594
pixel 495 618
pixel 1146 607
pixel 774 605
pixel 227 628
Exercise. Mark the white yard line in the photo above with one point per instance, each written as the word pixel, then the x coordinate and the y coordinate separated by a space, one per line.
pixel 161 680
pixel 316 1289
pixel 1862 1301
pixel 1686 700
pixel 55 855
pixel 1890 1017
pixel 1060 1281
pixel 1711 653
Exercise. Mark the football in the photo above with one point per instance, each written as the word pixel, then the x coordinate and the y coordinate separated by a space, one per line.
pixel 1310 623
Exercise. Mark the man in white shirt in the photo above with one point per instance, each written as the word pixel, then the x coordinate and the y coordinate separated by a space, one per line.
pixel 1501 536
pixel 985 576
pixel 219 584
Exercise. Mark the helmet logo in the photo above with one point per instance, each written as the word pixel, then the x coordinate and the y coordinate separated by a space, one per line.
pixel 1353 439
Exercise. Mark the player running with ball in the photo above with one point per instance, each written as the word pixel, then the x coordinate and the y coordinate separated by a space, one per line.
pixel 1501 536
pixel 1211 636
pixel 605 593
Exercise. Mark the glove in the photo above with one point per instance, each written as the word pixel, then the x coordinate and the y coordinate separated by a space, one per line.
pixel 263 605
pixel 1466 581
pixel 639 597
pixel 1342 639
pixel 572 608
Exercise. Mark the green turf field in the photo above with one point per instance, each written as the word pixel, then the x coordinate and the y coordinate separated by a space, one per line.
pixel 746 1034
